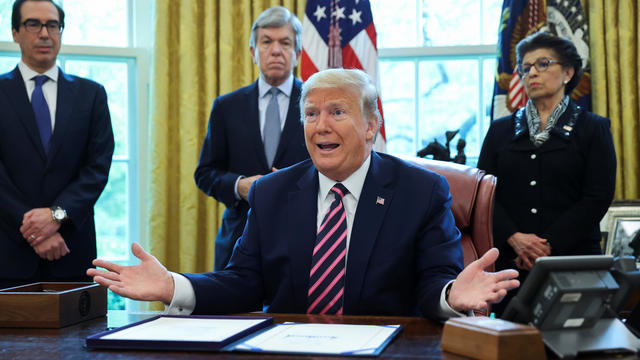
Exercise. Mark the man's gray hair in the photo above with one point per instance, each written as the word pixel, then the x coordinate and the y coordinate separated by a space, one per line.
pixel 353 79
pixel 277 16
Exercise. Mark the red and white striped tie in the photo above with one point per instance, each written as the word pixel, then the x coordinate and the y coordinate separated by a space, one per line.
pixel 326 278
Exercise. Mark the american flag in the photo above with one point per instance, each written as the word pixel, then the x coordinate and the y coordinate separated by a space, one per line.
pixel 340 33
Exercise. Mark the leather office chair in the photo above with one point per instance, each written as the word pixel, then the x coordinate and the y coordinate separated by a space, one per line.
pixel 472 191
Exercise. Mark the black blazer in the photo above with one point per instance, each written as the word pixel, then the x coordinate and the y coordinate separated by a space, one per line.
pixel 402 252
pixel 558 191
pixel 233 147
pixel 72 175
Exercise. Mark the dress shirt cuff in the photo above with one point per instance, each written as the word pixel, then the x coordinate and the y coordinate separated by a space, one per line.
pixel 184 298
pixel 445 311
pixel 235 188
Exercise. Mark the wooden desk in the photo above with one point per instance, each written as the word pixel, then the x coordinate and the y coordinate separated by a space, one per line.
pixel 419 339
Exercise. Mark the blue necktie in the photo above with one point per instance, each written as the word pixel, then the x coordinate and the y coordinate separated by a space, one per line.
pixel 41 111
pixel 271 133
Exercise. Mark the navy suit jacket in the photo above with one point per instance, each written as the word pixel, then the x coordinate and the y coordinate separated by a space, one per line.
pixel 72 175
pixel 575 179
pixel 401 253
pixel 233 146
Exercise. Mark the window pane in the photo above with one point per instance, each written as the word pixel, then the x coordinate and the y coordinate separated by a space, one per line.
pixel 398 105
pixel 97 23
pixel 5 20
pixel 111 214
pixel 94 23
pixel 115 301
pixel 7 63
pixel 448 102
pixel 113 76
pixel 398 30
pixel 488 81
pixel 491 21
pixel 446 23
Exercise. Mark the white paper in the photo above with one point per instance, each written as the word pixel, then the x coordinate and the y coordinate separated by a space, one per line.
pixel 184 329
pixel 320 339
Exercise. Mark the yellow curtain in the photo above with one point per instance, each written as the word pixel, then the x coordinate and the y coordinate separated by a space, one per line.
pixel 201 50
pixel 615 67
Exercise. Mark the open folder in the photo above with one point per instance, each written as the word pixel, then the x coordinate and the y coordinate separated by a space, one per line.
pixel 244 333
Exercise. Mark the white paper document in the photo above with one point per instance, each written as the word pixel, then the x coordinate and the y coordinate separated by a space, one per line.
pixel 184 329
pixel 338 339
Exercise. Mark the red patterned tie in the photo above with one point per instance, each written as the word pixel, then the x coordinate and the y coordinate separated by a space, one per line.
pixel 326 278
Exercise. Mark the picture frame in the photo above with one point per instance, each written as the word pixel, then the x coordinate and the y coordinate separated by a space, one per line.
pixel 621 228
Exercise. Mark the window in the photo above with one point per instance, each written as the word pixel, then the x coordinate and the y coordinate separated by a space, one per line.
pixel 437 65
pixel 99 43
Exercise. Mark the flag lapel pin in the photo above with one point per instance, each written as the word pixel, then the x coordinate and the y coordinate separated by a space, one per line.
pixel 379 200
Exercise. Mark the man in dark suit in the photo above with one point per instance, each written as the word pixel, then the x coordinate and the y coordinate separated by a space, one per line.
pixel 241 145
pixel 348 232
pixel 56 144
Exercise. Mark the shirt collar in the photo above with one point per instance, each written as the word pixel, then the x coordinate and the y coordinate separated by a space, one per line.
pixel 354 183
pixel 285 87
pixel 28 74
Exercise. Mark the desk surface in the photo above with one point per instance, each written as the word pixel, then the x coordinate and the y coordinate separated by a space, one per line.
pixel 419 339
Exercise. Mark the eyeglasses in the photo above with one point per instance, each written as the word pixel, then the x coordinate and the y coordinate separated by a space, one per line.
pixel 35 26
pixel 541 64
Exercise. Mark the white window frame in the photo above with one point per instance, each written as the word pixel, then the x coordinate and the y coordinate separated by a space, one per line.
pixel 441 53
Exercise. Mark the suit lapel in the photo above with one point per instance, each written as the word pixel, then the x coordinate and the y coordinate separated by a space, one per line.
pixel 252 123
pixel 292 122
pixel 520 140
pixel 303 214
pixel 64 110
pixel 559 134
pixel 16 92
pixel 368 220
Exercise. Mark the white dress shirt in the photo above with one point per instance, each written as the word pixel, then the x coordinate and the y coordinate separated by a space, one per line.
pixel 49 88
pixel 354 184
pixel 184 300
pixel 284 97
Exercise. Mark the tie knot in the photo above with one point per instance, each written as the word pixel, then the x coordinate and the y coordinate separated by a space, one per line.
pixel 40 79
pixel 274 91
pixel 339 190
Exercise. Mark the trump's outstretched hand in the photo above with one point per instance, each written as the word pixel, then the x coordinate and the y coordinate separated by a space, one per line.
pixel 149 281
pixel 475 289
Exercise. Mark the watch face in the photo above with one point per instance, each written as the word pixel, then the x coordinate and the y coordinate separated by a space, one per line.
pixel 58 214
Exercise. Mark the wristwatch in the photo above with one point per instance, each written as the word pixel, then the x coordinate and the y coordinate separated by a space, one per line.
pixel 59 214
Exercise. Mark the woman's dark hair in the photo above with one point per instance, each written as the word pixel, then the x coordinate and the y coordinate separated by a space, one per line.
pixel 563 48
pixel 16 15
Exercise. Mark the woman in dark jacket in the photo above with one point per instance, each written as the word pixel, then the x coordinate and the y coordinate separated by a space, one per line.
pixel 555 162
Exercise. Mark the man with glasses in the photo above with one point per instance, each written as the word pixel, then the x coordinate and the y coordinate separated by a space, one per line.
pixel 56 144
pixel 256 129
